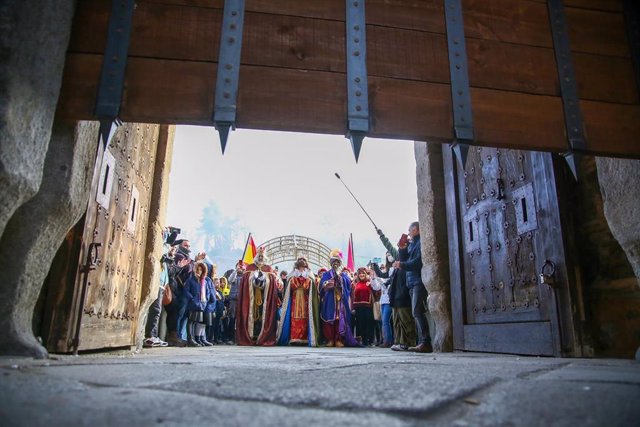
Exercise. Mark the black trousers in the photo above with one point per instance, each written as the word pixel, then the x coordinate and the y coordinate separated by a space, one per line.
pixel 365 324
pixel 153 317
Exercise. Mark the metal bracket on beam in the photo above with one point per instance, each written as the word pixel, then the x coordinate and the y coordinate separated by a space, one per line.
pixel 459 72
pixel 568 87
pixel 357 84
pixel 632 18
pixel 114 64
pixel 226 97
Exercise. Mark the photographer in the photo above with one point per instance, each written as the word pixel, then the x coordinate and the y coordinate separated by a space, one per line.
pixel 179 272
pixel 155 309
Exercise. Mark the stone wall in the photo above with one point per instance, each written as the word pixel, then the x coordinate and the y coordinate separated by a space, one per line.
pixel 434 241
pixel 34 233
pixel 34 35
pixel 613 277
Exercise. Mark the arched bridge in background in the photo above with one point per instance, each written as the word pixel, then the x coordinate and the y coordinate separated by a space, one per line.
pixel 291 247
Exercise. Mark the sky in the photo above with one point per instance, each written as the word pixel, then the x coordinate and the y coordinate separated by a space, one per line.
pixel 280 183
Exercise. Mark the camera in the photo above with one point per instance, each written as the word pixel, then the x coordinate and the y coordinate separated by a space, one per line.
pixel 167 259
pixel 173 234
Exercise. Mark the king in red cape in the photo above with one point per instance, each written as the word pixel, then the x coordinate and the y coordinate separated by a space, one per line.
pixel 257 304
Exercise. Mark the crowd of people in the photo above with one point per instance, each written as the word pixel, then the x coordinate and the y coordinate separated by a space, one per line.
pixel 255 304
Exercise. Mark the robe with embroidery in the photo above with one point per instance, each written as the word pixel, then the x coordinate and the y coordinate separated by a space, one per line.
pixel 334 306
pixel 300 322
pixel 257 308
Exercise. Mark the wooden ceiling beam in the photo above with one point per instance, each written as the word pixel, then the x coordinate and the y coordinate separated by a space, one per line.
pixel 293 69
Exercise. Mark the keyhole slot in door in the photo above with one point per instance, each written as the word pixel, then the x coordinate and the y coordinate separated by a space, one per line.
pixel 106 179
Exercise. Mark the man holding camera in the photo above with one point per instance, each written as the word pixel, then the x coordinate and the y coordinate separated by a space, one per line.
pixel 155 309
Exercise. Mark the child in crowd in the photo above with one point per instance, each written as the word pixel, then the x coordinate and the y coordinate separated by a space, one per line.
pixel 215 337
pixel 201 303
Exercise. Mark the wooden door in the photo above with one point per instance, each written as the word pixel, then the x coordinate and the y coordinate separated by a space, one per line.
pixel 109 254
pixel 117 219
pixel 503 223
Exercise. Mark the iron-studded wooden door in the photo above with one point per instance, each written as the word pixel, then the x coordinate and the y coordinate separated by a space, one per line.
pixel 504 223
pixel 97 284
pixel 116 220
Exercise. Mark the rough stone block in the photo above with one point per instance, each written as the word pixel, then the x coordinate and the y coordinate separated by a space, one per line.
pixel 35 231
pixel 433 234
pixel 34 35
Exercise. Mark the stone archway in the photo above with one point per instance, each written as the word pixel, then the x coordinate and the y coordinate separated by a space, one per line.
pixel 291 247
pixel 32 22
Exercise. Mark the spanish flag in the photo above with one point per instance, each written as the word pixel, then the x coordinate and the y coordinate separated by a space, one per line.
pixel 249 251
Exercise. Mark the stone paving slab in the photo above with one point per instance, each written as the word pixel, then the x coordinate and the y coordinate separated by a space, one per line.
pixel 248 386
pixel 542 403
pixel 67 404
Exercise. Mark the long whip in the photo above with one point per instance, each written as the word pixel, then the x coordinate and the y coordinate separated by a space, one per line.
pixel 354 198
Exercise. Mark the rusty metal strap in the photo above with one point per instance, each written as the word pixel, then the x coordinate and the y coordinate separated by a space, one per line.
pixel 459 72
pixel 226 95
pixel 114 64
pixel 357 82
pixel 566 75
pixel 632 18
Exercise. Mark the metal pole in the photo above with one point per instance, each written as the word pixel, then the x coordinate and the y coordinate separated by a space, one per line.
pixel 354 198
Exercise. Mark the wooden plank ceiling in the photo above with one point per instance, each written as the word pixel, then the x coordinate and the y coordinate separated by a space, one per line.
pixel 293 72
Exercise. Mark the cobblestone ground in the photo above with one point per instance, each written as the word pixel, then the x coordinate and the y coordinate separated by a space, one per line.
pixel 294 386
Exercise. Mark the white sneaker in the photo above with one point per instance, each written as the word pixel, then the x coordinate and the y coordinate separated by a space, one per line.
pixel 399 347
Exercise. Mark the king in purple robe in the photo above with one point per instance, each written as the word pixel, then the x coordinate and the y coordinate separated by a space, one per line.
pixel 335 306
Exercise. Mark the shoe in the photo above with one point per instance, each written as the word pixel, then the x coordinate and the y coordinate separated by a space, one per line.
pixel 339 344
pixel 422 348
pixel 399 347
pixel 174 341
pixel 193 343
pixel 155 342
pixel 203 341
pixel 386 345
pixel 330 344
